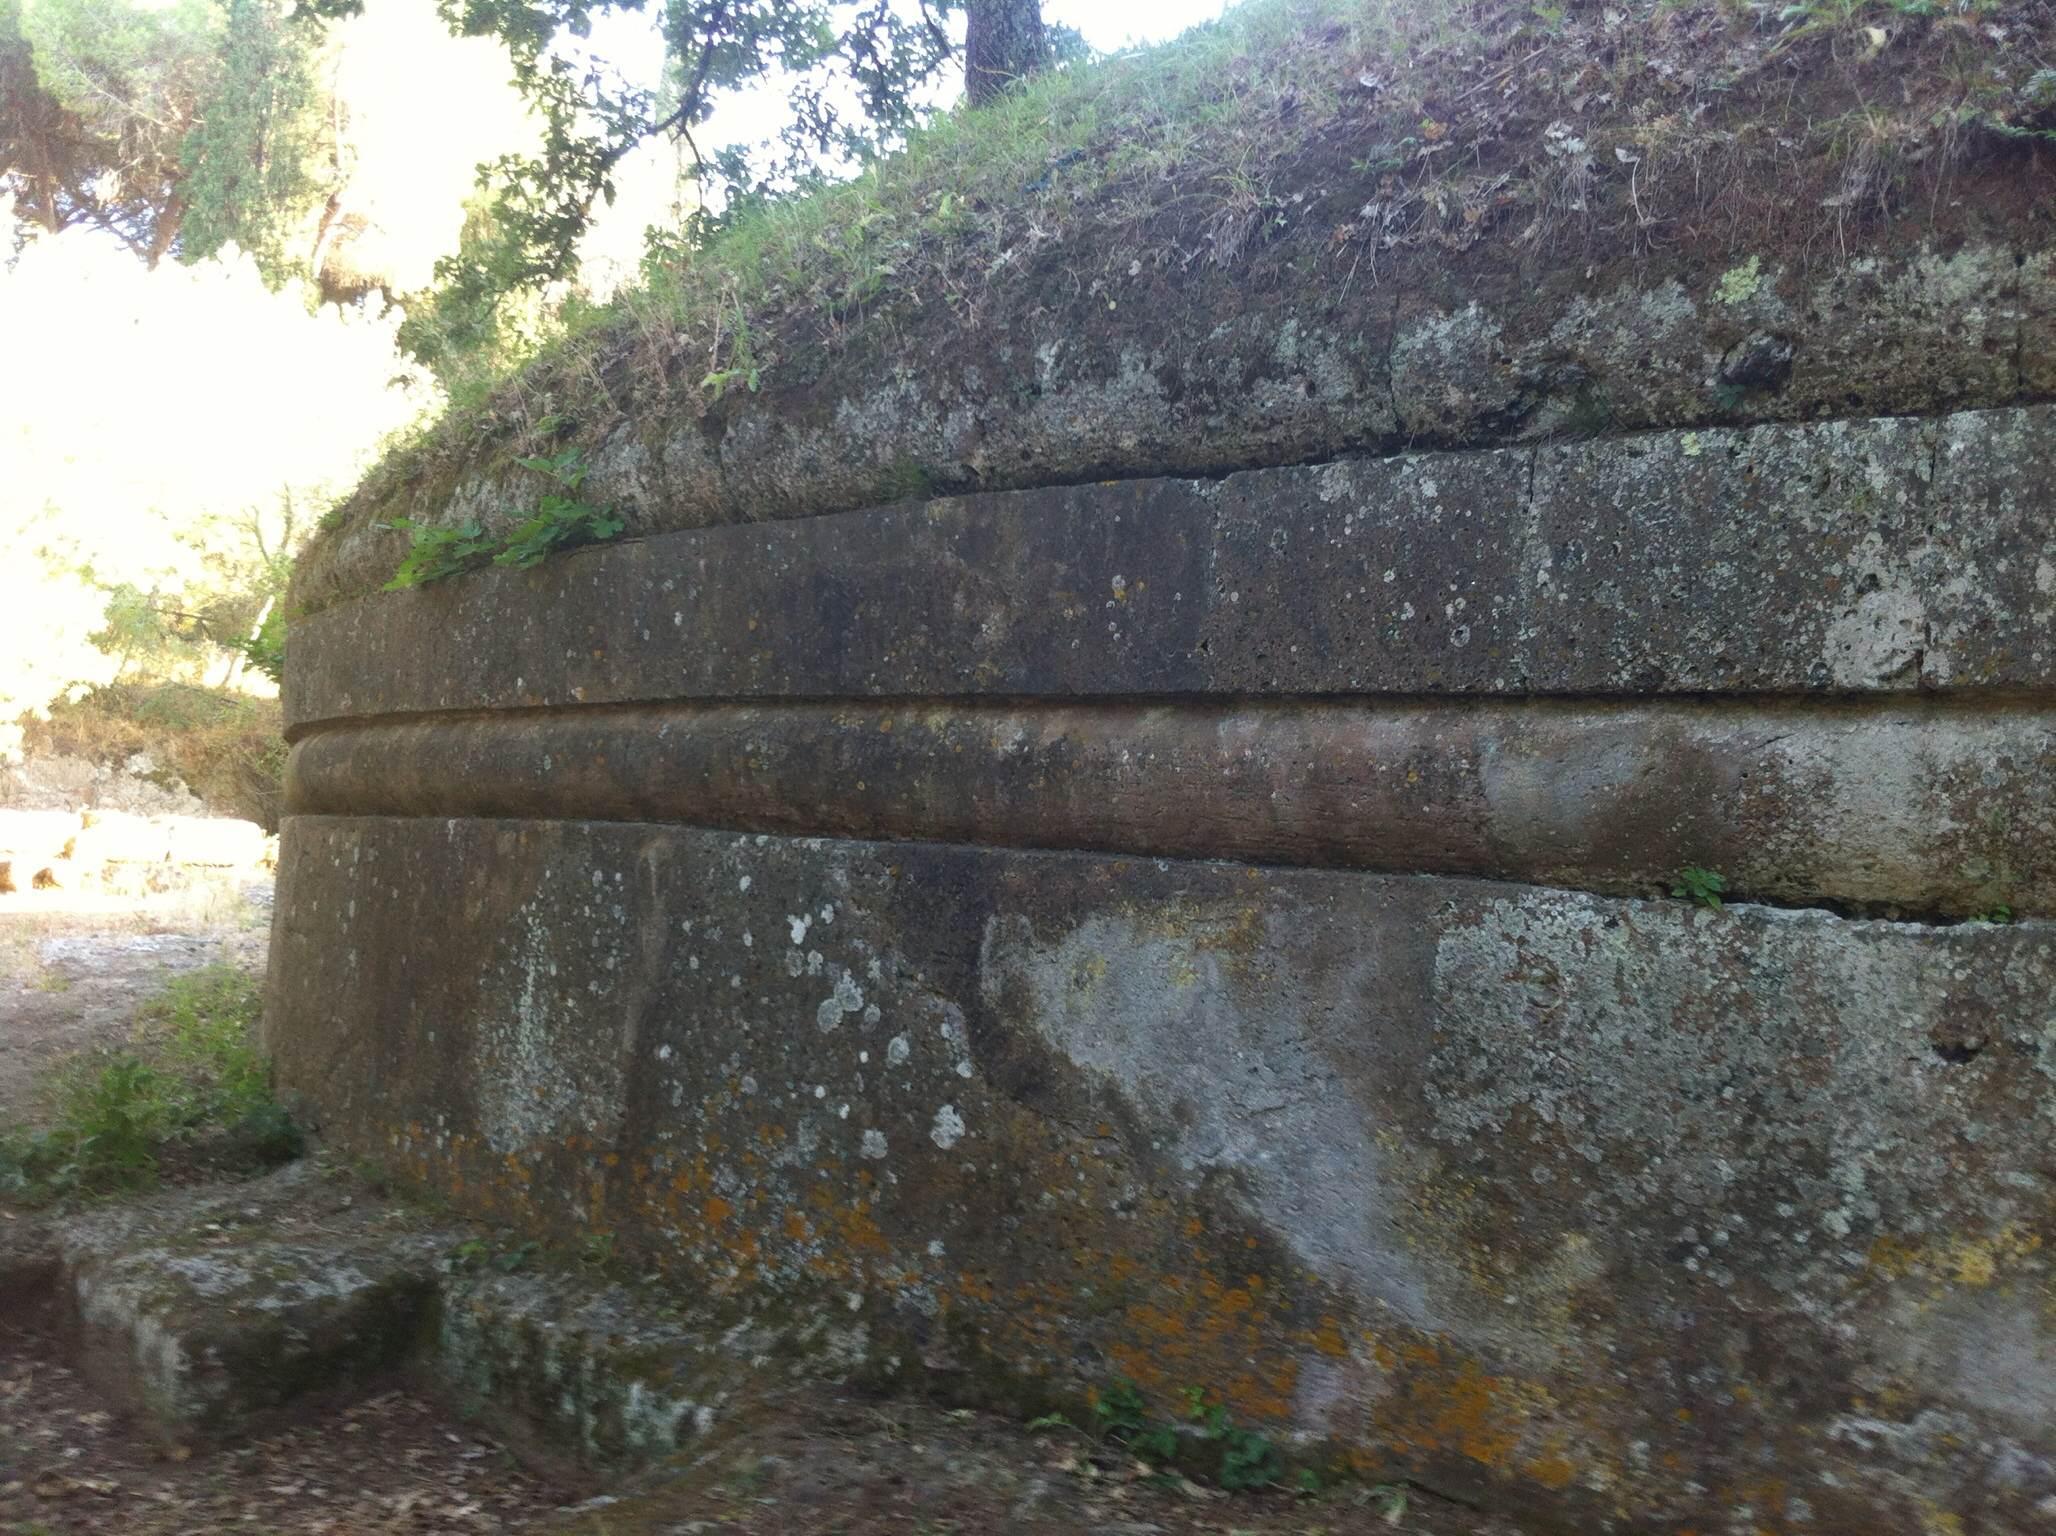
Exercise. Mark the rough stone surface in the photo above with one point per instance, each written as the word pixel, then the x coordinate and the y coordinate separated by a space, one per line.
pixel 1998 629
pixel 1627 1211
pixel 1825 558
pixel 1198 375
pixel 1014 941
pixel 206 1312
pixel 60 782
pixel 581 1368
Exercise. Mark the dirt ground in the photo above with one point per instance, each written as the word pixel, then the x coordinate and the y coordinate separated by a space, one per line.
pixel 398 1464
pixel 72 976
pixel 390 1463
pixel 73 973
pixel 820 1463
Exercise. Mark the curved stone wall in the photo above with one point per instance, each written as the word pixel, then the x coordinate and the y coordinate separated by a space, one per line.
pixel 1216 932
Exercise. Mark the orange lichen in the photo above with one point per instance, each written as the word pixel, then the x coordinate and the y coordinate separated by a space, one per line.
pixel 1171 1295
pixel 1460 1409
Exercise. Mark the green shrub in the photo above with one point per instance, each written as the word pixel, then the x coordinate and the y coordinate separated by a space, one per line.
pixel 117 1116
pixel 206 1021
pixel 435 554
pixel 195 1074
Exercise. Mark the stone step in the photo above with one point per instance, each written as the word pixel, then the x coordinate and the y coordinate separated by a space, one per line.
pixel 206 1312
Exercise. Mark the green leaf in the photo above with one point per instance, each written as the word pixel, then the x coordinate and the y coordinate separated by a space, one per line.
pixel 1700 885
pixel 1249 1460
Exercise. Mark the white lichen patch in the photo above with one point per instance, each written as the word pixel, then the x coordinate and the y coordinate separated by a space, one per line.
pixel 1878 640
pixel 847 998
pixel 551 1056
pixel 1226 1074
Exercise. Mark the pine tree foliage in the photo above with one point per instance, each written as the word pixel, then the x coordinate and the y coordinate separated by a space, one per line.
pixel 177 128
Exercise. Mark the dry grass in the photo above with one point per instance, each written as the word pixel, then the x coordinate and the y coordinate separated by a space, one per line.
pixel 1468 121
pixel 226 747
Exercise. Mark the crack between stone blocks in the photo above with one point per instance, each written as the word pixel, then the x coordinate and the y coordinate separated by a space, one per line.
pixel 1534 550
pixel 1646 895
pixel 1964 700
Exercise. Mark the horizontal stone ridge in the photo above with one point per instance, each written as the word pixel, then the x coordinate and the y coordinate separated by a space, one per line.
pixel 1913 803
pixel 1196 374
pixel 1511 1192
pixel 1877 555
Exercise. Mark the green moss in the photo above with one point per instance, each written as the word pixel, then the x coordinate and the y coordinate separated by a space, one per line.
pixel 1738 285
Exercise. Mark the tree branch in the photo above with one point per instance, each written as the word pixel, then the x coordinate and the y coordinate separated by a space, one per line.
pixel 938 32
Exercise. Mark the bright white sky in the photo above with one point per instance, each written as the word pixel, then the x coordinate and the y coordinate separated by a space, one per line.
pixel 647 181
pixel 1109 24
pixel 752 114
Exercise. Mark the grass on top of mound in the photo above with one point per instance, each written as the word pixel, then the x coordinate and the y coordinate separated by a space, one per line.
pixel 1466 121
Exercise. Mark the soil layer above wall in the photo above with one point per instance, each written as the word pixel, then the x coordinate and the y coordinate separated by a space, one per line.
pixel 1324 229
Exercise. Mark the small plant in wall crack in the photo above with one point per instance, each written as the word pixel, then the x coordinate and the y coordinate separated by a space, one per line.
pixel 1120 1415
pixel 434 554
pixel 1237 1459
pixel 475 1253
pixel 1248 1459
pixel 1701 886
pixel 561 520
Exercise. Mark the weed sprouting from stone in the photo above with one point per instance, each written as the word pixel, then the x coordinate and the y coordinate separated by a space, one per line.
pixel 1701 886
pixel 561 520
pixel 1207 1440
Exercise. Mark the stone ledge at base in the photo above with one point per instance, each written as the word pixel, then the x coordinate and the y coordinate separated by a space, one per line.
pixel 211 1311
pixel 1620 1211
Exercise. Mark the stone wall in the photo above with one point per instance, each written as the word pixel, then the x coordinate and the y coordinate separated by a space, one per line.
pixel 1217 932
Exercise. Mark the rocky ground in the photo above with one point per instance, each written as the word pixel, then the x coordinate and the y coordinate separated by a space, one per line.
pixel 74 970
